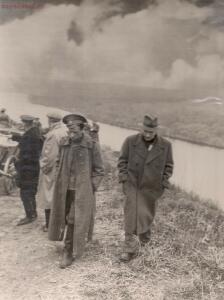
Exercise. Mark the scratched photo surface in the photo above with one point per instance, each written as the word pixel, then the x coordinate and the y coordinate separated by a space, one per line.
pixel 115 61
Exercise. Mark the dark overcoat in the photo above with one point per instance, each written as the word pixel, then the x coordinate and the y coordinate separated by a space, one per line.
pixel 144 173
pixel 27 164
pixel 89 172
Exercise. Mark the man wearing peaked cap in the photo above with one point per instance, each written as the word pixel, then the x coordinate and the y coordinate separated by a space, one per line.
pixel 145 165
pixel 78 118
pixel 49 155
pixel 27 167
pixel 79 176
pixel 27 118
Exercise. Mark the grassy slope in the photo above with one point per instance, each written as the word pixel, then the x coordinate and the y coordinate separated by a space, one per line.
pixel 125 106
pixel 184 259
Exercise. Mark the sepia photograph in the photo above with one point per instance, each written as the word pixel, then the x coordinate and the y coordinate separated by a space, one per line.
pixel 111 149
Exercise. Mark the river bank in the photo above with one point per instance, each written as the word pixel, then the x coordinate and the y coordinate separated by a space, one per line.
pixel 184 259
pixel 198 169
pixel 179 114
pixel 200 172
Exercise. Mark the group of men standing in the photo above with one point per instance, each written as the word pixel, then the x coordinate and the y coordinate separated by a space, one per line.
pixel 68 170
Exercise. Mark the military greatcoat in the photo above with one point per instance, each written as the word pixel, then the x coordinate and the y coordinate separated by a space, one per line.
pixel 89 172
pixel 144 173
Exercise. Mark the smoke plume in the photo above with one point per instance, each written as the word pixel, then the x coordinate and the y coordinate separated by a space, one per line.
pixel 160 43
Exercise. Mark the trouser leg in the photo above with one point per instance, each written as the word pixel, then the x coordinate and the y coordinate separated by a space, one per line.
pixel 47 217
pixel 33 202
pixel 91 227
pixel 131 247
pixel 27 202
pixel 69 238
pixel 28 207
pixel 131 244
pixel 69 207
pixel 92 221
pixel 67 257
pixel 145 237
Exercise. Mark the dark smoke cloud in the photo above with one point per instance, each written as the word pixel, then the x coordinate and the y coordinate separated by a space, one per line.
pixel 75 33
pixel 123 8
pixel 20 9
pixel 200 2
pixel 17 9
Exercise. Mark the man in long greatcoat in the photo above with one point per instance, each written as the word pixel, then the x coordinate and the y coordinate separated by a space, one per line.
pixel 145 166
pixel 80 172
pixel 48 159
pixel 27 167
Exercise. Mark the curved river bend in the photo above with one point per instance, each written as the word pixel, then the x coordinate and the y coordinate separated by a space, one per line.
pixel 198 169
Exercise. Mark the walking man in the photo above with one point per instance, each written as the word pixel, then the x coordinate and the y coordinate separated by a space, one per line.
pixel 145 166
pixel 49 156
pixel 27 167
pixel 80 171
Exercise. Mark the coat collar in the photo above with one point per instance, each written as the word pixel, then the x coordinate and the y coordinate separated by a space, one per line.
pixel 157 148
pixel 86 141
pixel 33 131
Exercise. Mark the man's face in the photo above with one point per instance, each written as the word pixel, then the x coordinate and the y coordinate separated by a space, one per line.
pixel 27 125
pixel 51 122
pixel 148 133
pixel 74 127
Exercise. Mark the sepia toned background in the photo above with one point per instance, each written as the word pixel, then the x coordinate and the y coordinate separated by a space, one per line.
pixel 114 61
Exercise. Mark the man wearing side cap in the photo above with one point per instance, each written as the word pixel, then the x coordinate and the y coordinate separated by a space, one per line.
pixel 145 166
pixel 27 167
pixel 80 171
pixel 49 156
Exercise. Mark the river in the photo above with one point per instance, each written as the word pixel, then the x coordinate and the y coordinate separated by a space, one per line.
pixel 198 169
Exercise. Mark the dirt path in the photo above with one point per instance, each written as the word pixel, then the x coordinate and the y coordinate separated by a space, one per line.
pixel 29 261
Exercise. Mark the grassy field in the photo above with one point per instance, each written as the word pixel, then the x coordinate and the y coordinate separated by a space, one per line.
pixel 125 106
pixel 183 261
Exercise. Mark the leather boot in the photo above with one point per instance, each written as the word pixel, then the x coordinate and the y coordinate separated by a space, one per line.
pixel 145 238
pixel 126 257
pixel 34 208
pixel 47 219
pixel 24 221
pixel 67 257
pixel 28 210
pixel 47 216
